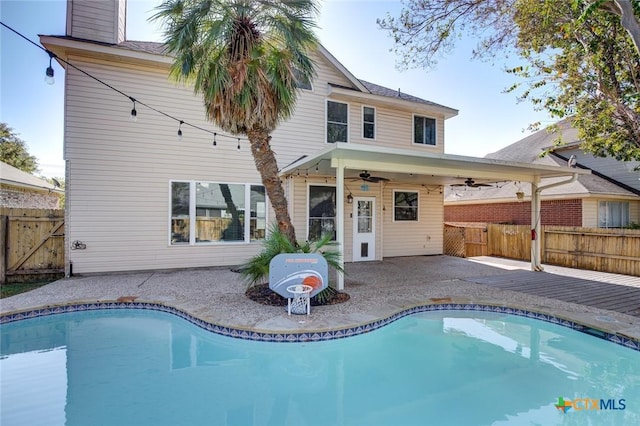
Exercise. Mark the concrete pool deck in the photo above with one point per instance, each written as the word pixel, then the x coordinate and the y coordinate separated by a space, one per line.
pixel 378 290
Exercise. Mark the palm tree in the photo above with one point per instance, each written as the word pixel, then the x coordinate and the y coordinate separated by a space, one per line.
pixel 244 56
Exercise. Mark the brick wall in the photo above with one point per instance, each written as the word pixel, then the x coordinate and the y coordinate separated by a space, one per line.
pixel 17 198
pixel 553 212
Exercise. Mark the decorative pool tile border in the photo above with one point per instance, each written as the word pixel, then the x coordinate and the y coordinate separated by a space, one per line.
pixel 313 336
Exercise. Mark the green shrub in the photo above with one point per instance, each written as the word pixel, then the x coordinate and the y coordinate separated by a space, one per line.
pixel 256 270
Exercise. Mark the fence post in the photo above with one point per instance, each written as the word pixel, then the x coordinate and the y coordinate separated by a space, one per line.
pixel 4 220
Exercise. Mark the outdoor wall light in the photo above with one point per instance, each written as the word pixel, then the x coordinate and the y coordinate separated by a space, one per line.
pixel 350 198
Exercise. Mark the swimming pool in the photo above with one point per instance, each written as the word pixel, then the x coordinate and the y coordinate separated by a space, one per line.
pixel 135 367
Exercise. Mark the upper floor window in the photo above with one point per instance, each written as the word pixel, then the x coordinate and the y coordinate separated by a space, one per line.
pixel 405 206
pixel 337 122
pixel 302 82
pixel 613 214
pixel 424 130
pixel 205 212
pixel 368 122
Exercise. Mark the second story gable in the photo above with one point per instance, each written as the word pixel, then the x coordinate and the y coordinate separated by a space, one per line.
pixel 336 107
pixel 339 108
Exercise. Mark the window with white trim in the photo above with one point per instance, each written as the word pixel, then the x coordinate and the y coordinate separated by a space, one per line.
pixel 302 81
pixel 213 212
pixel 337 122
pixel 368 122
pixel 424 130
pixel 405 206
pixel 322 211
pixel 613 214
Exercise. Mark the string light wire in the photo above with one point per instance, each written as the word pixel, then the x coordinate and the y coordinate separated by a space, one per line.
pixel 134 100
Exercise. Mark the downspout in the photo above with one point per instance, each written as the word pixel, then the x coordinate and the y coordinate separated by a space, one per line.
pixel 536 261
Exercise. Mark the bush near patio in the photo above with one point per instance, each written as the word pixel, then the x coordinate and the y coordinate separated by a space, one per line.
pixel 256 270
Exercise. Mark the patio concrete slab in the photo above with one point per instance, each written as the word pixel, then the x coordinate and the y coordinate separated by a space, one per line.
pixel 377 289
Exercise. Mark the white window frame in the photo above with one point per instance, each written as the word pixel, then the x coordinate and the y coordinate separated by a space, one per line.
pixel 417 207
pixel 192 213
pixel 326 121
pixel 413 130
pixel 303 88
pixel 308 218
pixel 375 120
pixel 625 205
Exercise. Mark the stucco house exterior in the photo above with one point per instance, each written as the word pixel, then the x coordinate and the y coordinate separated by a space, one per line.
pixel 609 197
pixel 22 190
pixel 356 158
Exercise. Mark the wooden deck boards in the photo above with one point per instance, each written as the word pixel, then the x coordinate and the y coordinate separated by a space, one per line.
pixel 614 297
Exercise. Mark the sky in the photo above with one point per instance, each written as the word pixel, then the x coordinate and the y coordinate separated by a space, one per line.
pixel 488 119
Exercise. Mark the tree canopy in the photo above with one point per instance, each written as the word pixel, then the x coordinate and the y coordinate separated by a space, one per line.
pixel 14 151
pixel 580 59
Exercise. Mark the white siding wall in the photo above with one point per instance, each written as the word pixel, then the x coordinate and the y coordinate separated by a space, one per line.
pixel 99 20
pixel 119 170
pixel 394 127
pixel 414 238
pixel 634 211
pixel 304 132
pixel 589 212
pixel 392 238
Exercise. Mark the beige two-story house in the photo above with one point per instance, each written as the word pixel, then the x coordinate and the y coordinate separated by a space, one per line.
pixel 357 159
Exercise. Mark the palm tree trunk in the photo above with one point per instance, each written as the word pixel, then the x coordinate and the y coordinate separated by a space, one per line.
pixel 267 166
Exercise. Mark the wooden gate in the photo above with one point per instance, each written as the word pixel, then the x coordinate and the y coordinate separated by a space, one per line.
pixel 31 243
pixel 465 239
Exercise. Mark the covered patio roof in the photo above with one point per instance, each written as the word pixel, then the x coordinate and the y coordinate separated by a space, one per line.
pixel 412 166
pixel 346 161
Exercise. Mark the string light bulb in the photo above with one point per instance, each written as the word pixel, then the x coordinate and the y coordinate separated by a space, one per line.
pixel 49 73
pixel 215 143
pixel 180 131
pixel 317 170
pixel 134 113
pixel 238 144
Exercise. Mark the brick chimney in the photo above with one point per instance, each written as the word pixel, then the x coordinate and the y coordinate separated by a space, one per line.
pixel 97 20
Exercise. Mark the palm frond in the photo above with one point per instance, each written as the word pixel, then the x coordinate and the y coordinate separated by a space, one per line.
pixel 257 268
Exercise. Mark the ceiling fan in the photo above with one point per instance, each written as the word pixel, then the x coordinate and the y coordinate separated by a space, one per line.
pixel 471 184
pixel 366 176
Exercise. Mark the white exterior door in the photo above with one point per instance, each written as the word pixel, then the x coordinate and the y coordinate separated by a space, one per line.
pixel 364 228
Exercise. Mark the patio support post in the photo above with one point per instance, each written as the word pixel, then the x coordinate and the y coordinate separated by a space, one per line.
pixel 536 190
pixel 340 217
pixel 535 225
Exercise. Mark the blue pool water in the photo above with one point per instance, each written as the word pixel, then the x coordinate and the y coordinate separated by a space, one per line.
pixel 130 367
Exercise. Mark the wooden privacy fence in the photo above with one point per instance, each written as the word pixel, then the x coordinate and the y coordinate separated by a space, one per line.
pixel 31 243
pixel 597 249
pixel 512 241
pixel 465 239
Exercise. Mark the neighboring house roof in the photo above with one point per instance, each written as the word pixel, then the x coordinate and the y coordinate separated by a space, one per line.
pixel 365 87
pixel 529 150
pixel 16 177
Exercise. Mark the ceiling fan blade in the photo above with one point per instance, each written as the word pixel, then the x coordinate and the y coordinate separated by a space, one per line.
pixel 476 185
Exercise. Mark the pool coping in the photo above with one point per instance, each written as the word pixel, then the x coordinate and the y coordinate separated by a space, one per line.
pixel 327 334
